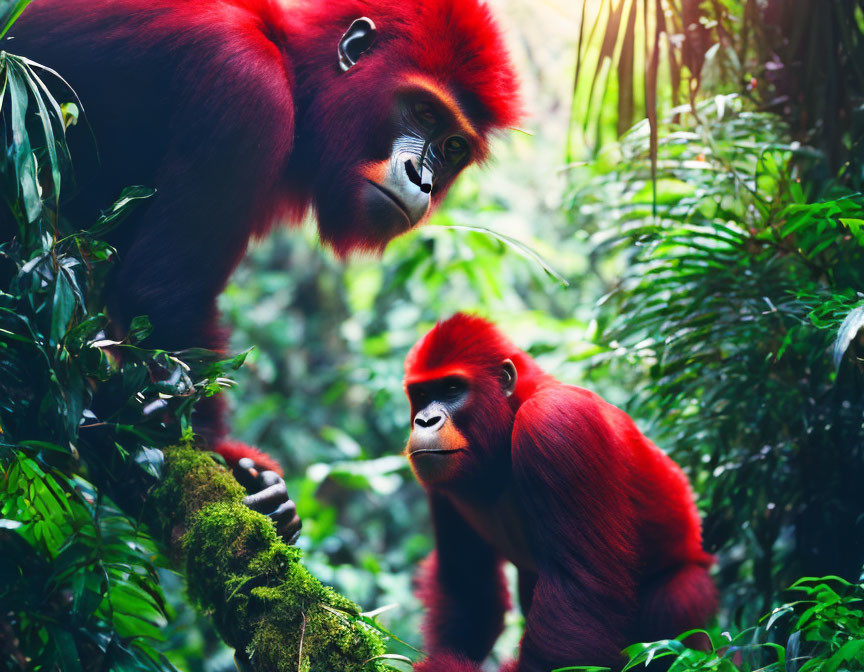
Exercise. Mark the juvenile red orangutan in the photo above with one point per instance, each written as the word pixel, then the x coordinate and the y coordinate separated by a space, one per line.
pixel 244 112
pixel 600 524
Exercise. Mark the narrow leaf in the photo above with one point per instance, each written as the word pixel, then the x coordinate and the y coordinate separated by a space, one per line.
pixel 9 13
pixel 519 246
pixel 847 333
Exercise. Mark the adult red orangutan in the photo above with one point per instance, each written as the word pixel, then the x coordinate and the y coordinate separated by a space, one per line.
pixel 242 113
pixel 600 524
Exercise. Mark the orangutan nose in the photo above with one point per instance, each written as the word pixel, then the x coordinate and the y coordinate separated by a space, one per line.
pixel 429 419
pixel 417 178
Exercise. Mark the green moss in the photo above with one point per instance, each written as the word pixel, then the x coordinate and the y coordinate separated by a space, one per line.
pixel 330 640
pixel 262 599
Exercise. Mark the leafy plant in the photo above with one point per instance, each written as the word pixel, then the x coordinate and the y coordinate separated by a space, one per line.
pixel 823 631
pixel 83 417
pixel 79 587
pixel 799 59
pixel 738 285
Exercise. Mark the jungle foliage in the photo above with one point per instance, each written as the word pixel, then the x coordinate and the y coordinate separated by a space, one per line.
pixel 738 221
pixel 712 240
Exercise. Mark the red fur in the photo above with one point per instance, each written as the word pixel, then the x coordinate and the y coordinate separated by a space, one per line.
pixel 234 451
pixel 462 614
pixel 612 539
pixel 450 663
pixel 447 662
pixel 237 113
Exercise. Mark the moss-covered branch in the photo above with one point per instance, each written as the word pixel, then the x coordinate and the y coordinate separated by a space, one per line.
pixel 261 598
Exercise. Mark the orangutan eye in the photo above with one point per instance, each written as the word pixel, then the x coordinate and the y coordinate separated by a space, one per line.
pixel 455 148
pixel 454 388
pixel 426 115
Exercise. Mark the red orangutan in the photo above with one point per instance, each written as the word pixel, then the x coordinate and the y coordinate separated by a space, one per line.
pixel 244 112
pixel 520 467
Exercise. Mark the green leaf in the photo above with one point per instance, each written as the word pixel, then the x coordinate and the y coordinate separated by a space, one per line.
pixel 64 305
pixel 130 199
pixel 10 10
pixel 850 652
pixel 849 330
pixel 778 613
pixel 151 461
pixel 139 329
pixel 70 113
pixel 856 228
pixel 21 151
pixel 64 644
pixel 40 93
pixel 517 245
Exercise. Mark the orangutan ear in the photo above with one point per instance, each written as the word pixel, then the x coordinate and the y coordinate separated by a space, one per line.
pixel 508 377
pixel 356 41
